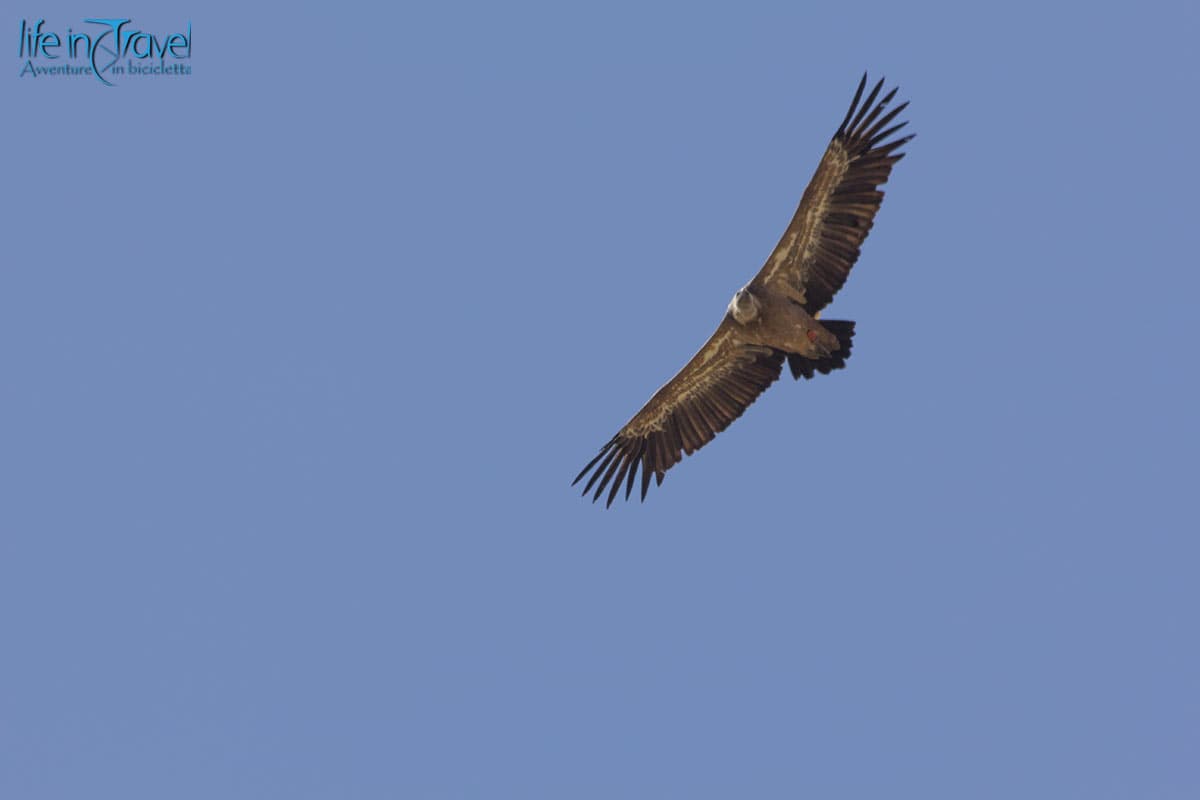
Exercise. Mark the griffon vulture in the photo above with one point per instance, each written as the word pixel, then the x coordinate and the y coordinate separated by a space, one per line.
pixel 774 317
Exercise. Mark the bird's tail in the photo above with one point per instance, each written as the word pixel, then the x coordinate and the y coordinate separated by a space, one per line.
pixel 807 367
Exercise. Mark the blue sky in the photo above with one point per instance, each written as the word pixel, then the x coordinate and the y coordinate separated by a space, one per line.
pixel 301 351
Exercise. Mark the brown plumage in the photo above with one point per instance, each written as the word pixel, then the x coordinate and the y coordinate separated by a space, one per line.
pixel 772 318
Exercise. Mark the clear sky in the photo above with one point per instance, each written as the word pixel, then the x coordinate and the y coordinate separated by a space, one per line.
pixel 300 352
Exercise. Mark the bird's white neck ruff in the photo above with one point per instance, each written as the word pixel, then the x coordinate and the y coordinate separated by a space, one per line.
pixel 746 310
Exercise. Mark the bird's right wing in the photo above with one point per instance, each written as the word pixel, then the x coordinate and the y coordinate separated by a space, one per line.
pixel 711 391
pixel 821 244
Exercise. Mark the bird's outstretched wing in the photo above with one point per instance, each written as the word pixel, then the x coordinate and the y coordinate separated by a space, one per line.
pixel 838 208
pixel 711 391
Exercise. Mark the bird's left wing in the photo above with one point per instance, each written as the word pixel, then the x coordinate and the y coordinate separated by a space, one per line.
pixel 821 244
pixel 711 391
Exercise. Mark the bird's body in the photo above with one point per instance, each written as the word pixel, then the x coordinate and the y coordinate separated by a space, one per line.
pixel 774 317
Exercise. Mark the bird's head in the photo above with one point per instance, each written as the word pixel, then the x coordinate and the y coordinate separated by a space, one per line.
pixel 743 306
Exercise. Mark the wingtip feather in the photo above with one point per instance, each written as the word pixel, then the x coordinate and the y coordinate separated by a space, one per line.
pixel 862 84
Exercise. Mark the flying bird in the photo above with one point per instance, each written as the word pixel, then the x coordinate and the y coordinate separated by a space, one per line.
pixel 774 317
